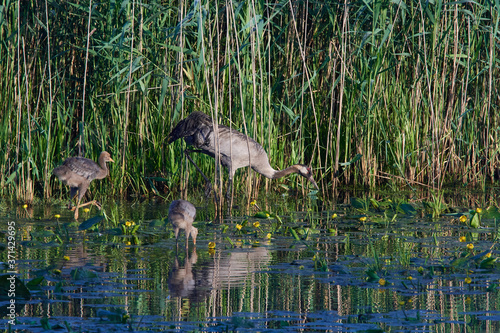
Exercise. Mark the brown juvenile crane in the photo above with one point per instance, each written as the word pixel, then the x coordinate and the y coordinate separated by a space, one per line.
pixel 181 214
pixel 236 149
pixel 78 172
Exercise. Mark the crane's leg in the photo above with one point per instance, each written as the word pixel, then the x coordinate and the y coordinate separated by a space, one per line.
pixel 72 195
pixel 208 184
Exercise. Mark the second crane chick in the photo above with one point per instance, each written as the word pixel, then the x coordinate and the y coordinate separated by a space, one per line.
pixel 181 214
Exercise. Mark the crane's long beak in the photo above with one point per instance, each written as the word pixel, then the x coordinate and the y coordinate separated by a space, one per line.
pixel 313 182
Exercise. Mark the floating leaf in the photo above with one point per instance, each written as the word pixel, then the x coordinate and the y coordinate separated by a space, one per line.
pixel 90 222
pixel 408 209
pixel 487 263
pixel 34 283
pixel 157 223
pixel 83 274
pixel 12 284
pixel 262 215
pixel 372 275
pixel 475 222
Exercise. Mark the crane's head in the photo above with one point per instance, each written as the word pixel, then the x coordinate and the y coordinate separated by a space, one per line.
pixel 105 157
pixel 194 234
pixel 306 172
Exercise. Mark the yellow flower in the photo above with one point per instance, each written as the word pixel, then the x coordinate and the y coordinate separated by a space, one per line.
pixel 410 300
pixel 420 269
pixel 128 224
pixel 211 245
pixel 66 258
pixel 470 246
pixel 128 243
pixel 362 219
pixel 468 300
pixel 25 206
pixel 479 210
pixel 463 218
pixel 269 236
pixel 239 226
pixel 334 215
pixel 409 278
pixel 267 215
pixel 468 280
pixel 488 255
pixel 86 210
pixel 57 216
pixel 381 282
pixel 253 203
pixel 462 239
pixel 211 251
pixel 256 224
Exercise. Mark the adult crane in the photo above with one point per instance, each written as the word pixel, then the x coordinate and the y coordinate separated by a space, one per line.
pixel 236 150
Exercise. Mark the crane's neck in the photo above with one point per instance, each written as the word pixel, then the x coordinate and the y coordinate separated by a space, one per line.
pixel 104 168
pixel 271 173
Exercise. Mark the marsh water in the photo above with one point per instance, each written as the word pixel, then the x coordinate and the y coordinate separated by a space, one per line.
pixel 363 264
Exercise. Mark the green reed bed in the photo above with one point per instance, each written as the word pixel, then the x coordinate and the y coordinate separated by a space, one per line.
pixel 410 86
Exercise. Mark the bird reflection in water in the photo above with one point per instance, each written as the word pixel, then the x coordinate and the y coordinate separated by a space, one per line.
pixel 227 269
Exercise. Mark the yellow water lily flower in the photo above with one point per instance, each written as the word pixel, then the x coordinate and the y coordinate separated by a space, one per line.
pixel 256 224
pixel 253 202
pixel 382 281
pixel 463 219
pixel 462 239
pixel 409 278
pixel 239 226
pixel 362 219
pixel 488 255
pixel 66 258
pixel 470 246
pixel 334 215
pixel 468 280
pixel 268 236
pixel 57 216
pixel 25 206
pixel 211 245
pixel 86 210
pixel 420 269
pixel 128 224
pixel 479 210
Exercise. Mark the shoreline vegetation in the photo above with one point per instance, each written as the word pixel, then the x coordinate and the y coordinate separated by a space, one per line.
pixel 367 93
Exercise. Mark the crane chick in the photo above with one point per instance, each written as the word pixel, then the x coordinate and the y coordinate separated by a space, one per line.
pixel 78 172
pixel 181 214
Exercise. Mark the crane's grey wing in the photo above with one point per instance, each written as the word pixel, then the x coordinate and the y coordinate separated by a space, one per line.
pixel 196 125
pixel 83 167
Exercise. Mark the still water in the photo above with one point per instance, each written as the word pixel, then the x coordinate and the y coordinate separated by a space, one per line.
pixel 355 266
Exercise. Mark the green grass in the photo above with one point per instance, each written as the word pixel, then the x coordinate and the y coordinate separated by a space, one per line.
pixel 409 86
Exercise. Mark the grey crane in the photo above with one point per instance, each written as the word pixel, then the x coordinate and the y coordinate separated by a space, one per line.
pixel 197 131
pixel 181 214
pixel 78 172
